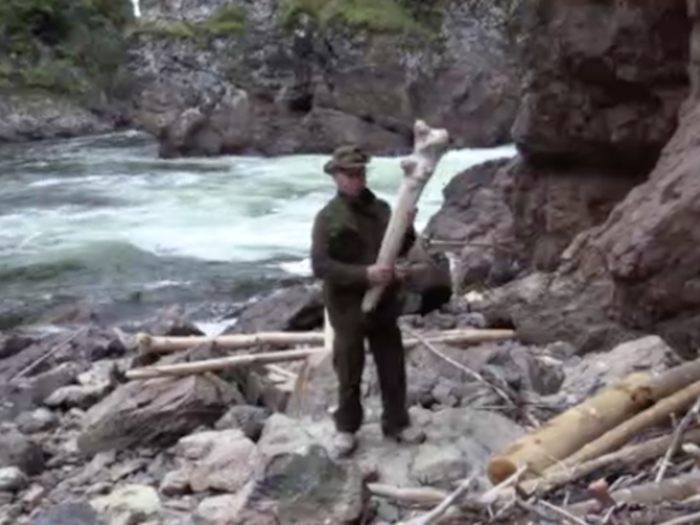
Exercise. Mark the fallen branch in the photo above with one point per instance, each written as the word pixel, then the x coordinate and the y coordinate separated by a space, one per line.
pixel 223 363
pixel 429 147
pixel 424 496
pixel 164 344
pixel 677 436
pixel 434 515
pixel 674 489
pixel 559 475
pixel 684 520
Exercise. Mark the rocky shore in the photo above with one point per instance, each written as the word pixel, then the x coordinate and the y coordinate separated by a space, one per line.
pixel 83 444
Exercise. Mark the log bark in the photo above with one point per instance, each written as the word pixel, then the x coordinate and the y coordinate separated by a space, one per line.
pixel 165 344
pixel 429 147
pixel 568 432
pixel 673 489
pixel 630 456
pixel 624 432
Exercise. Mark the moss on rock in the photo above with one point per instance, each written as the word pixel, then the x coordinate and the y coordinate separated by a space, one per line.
pixel 225 21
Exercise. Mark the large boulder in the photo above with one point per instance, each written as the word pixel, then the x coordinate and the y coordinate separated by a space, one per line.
pixel 231 76
pixel 603 81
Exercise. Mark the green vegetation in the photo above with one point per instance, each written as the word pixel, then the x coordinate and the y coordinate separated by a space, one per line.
pixel 225 21
pixel 376 16
pixel 64 46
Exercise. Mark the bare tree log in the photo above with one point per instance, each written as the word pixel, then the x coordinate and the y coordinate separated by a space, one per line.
pixel 568 432
pixel 165 344
pixel 564 434
pixel 558 475
pixel 223 363
pixel 673 489
pixel 618 436
pixel 429 147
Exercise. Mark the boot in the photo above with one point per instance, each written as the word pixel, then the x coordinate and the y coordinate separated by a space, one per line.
pixel 344 444
pixel 409 436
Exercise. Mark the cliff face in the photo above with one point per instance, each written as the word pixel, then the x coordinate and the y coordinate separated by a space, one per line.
pixel 268 77
pixel 62 67
pixel 612 102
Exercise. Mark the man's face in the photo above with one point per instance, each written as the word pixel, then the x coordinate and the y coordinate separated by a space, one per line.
pixel 351 181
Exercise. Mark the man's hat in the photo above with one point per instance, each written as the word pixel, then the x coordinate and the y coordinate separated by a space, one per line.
pixel 346 157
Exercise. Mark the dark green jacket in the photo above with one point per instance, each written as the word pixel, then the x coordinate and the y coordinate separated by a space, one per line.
pixel 347 235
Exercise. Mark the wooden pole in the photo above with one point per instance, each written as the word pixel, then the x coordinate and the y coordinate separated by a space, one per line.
pixel 165 344
pixel 429 147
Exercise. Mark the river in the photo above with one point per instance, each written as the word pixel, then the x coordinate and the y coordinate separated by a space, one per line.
pixel 102 219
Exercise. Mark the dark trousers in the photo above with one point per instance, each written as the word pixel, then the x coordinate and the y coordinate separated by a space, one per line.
pixel 384 338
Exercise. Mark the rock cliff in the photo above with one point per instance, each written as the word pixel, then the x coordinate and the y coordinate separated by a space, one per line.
pixel 267 77
pixel 599 204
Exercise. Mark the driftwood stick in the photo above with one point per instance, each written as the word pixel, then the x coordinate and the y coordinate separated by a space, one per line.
pixel 677 436
pixel 164 344
pixel 438 512
pixel 223 363
pixel 673 489
pixel 684 520
pixel 558 476
pixel 423 496
pixel 429 147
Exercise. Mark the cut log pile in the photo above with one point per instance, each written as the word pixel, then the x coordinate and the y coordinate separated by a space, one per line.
pixel 630 454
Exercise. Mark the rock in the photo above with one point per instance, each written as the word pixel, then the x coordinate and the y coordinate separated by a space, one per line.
pixel 220 460
pixel 12 479
pixel 33 496
pixel 609 93
pixel 77 396
pixel 332 492
pixel 24 394
pixel 249 419
pixel 39 420
pixel 30 115
pixel 128 505
pixel 155 412
pixel 597 370
pixel 173 322
pixel 13 343
pixel 222 510
pixel 18 450
pixel 70 513
pixel 295 308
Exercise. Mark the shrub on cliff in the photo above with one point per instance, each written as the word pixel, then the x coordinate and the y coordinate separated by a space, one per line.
pixel 64 46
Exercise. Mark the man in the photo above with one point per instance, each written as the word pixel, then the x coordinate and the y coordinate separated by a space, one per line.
pixel 347 235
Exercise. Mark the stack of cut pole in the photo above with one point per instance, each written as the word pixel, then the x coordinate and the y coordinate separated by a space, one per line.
pixel 161 345
pixel 572 444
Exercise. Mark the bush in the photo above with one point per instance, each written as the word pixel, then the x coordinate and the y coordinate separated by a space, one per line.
pixel 63 45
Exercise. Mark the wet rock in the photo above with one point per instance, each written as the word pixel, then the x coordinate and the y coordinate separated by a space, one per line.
pixel 13 343
pixel 155 412
pixel 224 509
pixel 297 308
pixel 38 420
pixel 128 504
pixel 173 322
pixel 79 396
pixel 18 450
pixel 12 479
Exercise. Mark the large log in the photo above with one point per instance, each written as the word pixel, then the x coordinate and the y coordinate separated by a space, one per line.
pixel 625 458
pixel 625 431
pixel 570 430
pixel 165 344
pixel 429 147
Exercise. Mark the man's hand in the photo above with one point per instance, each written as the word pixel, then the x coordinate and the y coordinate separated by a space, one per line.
pixel 380 274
